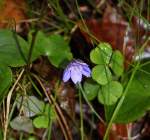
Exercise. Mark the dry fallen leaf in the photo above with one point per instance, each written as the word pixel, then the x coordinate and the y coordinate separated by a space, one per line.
pixel 112 28
pixel 12 10
pixel 118 131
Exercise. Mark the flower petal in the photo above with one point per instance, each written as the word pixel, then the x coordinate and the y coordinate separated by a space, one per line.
pixel 86 71
pixel 76 74
pixel 66 75
pixel 80 62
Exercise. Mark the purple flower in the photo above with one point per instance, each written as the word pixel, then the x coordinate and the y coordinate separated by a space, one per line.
pixel 75 70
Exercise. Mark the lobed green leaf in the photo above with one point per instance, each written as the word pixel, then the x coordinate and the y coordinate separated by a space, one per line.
pixel 101 74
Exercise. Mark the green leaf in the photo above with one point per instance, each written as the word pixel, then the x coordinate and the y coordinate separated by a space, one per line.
pixel 21 123
pixel 117 63
pixel 5 80
pixel 1 134
pixel 91 89
pixel 31 105
pixel 101 54
pixel 41 121
pixel 137 100
pixel 32 138
pixel 101 74
pixel 9 51
pixel 50 111
pixel 110 93
pixel 54 47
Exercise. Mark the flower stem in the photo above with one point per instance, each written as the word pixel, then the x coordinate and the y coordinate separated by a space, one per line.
pixel 119 104
pixel 89 104
pixel 50 129
pixel 81 116
pixel 124 94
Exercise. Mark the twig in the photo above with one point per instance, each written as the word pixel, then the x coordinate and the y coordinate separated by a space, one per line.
pixel 61 120
pixel 89 104
pixel 81 117
pixel 8 104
